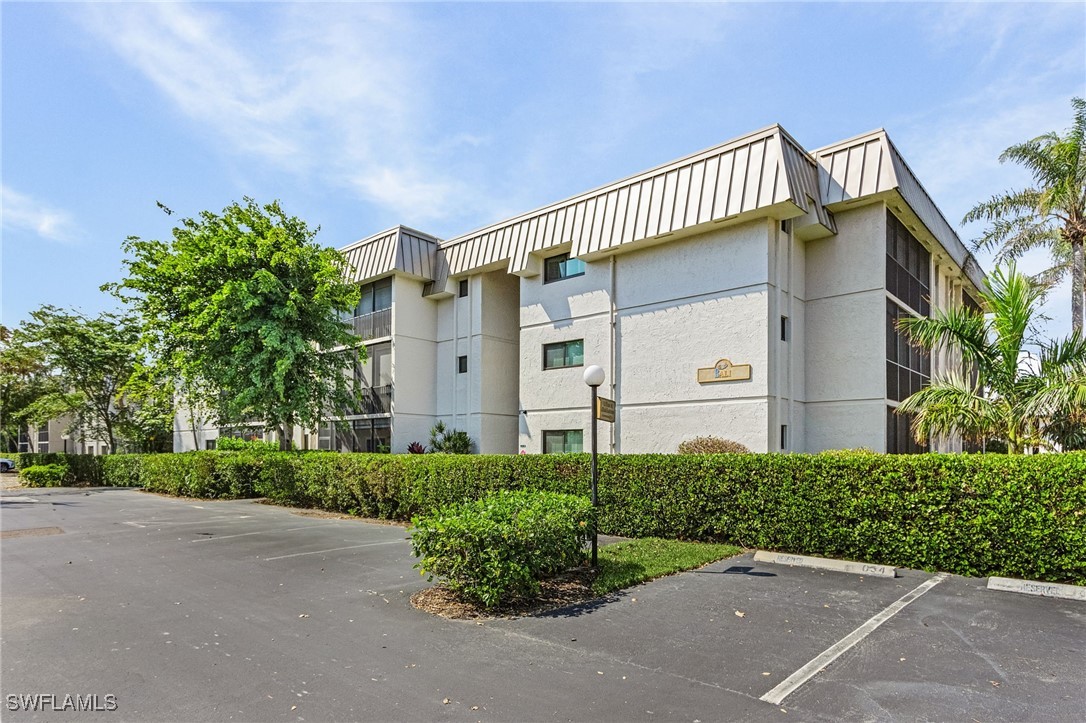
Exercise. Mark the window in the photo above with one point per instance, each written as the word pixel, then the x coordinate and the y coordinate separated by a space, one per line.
pixel 908 369
pixel 784 328
pixel 908 266
pixel 209 444
pixel 356 435
pixel 561 267
pixel 462 364
pixel 563 441
pixel 376 296
pixel 463 291
pixel 784 437
pixel 563 354
pixel 899 438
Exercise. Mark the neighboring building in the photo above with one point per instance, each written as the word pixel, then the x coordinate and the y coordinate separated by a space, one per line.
pixel 58 435
pixel 748 291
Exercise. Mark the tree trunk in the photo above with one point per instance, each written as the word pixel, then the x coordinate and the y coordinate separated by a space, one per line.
pixel 286 436
pixel 1078 281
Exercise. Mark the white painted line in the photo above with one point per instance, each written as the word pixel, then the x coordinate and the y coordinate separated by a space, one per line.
pixel 822 563
pixel 164 523
pixel 334 549
pixel 1032 587
pixel 808 671
pixel 260 532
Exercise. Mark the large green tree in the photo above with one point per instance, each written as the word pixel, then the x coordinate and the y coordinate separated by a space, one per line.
pixel 1025 391
pixel 244 305
pixel 1050 214
pixel 24 380
pixel 86 366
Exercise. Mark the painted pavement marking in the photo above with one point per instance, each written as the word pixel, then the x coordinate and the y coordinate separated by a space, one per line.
pixel 334 549
pixel 808 671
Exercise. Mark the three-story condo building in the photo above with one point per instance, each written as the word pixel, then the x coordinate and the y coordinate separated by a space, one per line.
pixel 749 291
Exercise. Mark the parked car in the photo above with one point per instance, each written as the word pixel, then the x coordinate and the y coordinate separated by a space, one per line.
pixel 6 465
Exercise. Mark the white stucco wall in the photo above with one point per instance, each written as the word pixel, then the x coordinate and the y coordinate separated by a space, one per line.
pixel 845 334
pixel 680 306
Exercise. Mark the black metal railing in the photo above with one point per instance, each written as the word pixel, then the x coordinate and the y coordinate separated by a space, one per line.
pixel 374 400
pixel 373 325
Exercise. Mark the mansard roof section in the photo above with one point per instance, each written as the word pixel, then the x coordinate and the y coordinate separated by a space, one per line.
pixel 869 165
pixel 749 174
pixel 397 250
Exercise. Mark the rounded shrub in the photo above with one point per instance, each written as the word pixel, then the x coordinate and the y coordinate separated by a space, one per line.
pixel 45 475
pixel 712 445
pixel 497 548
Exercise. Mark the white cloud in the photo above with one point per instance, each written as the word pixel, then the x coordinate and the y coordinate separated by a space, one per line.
pixel 337 90
pixel 22 213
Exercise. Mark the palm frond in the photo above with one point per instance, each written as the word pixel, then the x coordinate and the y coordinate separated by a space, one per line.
pixel 951 406
pixel 1005 204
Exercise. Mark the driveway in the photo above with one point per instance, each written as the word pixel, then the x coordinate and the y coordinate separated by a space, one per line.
pixel 198 610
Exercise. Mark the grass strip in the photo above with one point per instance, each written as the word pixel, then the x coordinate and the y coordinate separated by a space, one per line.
pixel 625 564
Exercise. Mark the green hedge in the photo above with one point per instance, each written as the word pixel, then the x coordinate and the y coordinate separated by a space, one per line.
pixel 497 548
pixel 82 468
pixel 44 475
pixel 968 514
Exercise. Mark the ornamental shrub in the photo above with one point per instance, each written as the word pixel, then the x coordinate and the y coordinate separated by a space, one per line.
pixel 970 514
pixel 236 444
pixel 450 441
pixel 45 475
pixel 497 548
pixel 712 445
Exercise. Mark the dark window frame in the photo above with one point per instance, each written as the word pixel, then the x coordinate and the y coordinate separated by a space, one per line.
pixel 462 289
pixel 908 266
pixel 565 354
pixel 462 364
pixel 548 433
pixel 558 262
pixel 908 368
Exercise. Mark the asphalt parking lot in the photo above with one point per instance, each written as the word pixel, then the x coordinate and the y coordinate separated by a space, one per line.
pixel 187 610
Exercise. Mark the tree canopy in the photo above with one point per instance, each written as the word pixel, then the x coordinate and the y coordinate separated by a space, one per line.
pixel 241 308
pixel 83 367
pixel 1050 214
pixel 1026 392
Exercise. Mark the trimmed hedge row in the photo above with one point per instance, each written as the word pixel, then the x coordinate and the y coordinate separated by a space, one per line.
pixel 978 515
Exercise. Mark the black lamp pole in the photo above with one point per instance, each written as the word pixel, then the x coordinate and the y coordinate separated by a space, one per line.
pixel 595 477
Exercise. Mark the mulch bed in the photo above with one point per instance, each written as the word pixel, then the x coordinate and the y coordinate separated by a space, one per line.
pixel 569 588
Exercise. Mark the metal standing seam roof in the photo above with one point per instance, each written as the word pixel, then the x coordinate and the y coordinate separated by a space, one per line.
pixel 758 170
pixel 870 164
pixel 397 249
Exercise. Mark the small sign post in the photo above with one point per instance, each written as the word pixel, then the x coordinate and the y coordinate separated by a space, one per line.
pixel 593 377
pixel 605 409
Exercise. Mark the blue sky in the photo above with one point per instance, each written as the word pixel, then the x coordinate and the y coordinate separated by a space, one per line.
pixel 448 116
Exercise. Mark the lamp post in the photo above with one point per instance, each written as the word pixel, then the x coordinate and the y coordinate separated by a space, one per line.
pixel 593 377
pixel 65 437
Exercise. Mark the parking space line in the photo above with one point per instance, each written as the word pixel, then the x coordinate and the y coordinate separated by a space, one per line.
pixel 808 671
pixel 334 549
pixel 258 532
pixel 166 523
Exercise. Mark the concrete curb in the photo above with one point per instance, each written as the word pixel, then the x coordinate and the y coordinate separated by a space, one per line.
pixel 1042 589
pixel 822 563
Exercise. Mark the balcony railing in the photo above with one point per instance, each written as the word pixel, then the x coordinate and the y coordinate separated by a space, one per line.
pixel 375 400
pixel 373 325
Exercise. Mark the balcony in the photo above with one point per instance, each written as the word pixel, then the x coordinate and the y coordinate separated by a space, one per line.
pixel 375 400
pixel 374 325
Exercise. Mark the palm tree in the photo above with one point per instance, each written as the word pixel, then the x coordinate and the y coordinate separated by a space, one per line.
pixel 1050 214
pixel 1025 392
